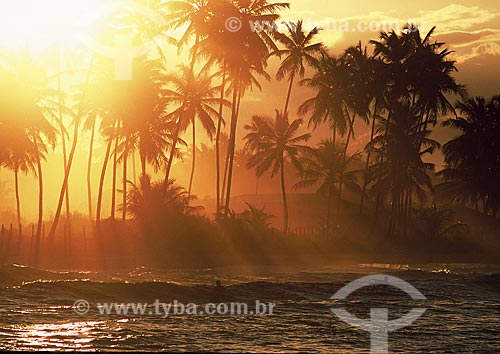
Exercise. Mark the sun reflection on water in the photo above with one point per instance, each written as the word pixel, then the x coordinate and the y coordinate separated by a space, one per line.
pixel 72 335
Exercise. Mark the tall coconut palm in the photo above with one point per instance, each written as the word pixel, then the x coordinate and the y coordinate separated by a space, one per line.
pixel 393 49
pixel 62 61
pixel 330 82
pixel 191 14
pixel 27 108
pixel 20 161
pixel 419 70
pixel 90 124
pixel 430 76
pixel 77 117
pixel 148 18
pixel 376 89
pixel 244 53
pixel 399 173
pixel 472 170
pixel 415 70
pixel 273 141
pixel 135 116
pixel 341 95
pixel 195 98
pixel 358 66
pixel 298 52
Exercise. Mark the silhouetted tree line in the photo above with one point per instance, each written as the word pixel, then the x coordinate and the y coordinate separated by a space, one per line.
pixel 400 89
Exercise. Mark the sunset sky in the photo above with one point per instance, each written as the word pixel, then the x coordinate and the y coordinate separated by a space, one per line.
pixel 470 28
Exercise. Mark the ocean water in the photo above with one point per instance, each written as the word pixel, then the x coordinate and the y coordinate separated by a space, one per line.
pixel 37 309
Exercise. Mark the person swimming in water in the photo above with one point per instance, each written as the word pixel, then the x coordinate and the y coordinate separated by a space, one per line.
pixel 218 293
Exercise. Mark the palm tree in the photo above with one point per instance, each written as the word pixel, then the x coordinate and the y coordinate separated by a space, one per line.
pixel 419 70
pixel 244 54
pixel 151 202
pixel 191 14
pixel 62 61
pixel 194 14
pixel 393 50
pixel 376 89
pixel 135 118
pixel 218 133
pixel 358 66
pixel 399 173
pixel 77 116
pixel 19 159
pixel 90 124
pixel 429 75
pixel 195 98
pixel 325 166
pixel 328 106
pixel 472 170
pixel 148 18
pixel 341 95
pixel 28 105
pixel 415 71
pixel 299 51
pixel 273 141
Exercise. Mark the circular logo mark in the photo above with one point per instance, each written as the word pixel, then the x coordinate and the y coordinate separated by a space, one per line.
pixel 379 325
pixel 81 307
pixel 233 24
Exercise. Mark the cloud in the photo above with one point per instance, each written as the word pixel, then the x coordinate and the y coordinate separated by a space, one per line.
pixel 456 17
pixel 479 51
pixel 469 45
pixel 458 22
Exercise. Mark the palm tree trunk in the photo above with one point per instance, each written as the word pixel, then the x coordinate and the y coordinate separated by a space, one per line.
pixel 393 211
pixel 101 182
pixel 224 182
pixel 172 151
pixel 217 139
pixel 40 196
pixel 193 162
pixel 67 207
pixel 134 173
pixel 62 130
pixel 283 193
pixel 285 111
pixel 351 130
pixel 329 207
pixel 18 202
pixel 89 171
pixel 367 165
pixel 143 164
pixel 64 187
pixel 378 202
pixel 226 169
pixel 232 144
pixel 334 133
pixel 115 163
pixel 124 196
